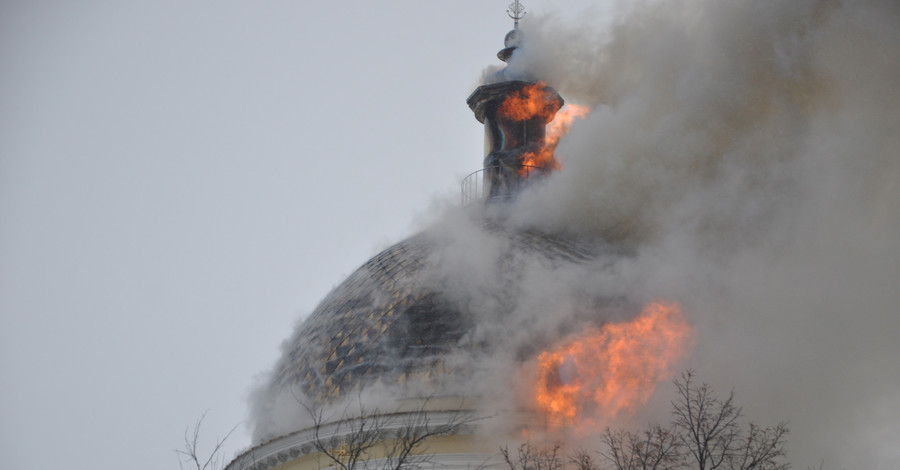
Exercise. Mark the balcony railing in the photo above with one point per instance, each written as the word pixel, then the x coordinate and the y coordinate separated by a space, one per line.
pixel 497 183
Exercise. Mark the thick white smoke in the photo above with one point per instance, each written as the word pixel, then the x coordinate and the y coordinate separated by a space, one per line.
pixel 749 153
pixel 741 158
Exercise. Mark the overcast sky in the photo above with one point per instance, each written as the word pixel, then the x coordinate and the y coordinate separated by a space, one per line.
pixel 181 181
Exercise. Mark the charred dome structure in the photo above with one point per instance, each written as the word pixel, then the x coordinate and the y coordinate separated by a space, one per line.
pixel 389 355
pixel 390 326
pixel 390 322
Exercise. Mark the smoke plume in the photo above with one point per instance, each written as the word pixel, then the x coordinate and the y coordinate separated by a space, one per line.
pixel 741 159
pixel 747 153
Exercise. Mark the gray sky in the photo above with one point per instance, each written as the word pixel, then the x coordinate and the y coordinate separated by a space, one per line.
pixel 181 181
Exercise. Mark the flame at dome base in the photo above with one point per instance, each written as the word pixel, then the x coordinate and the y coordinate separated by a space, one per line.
pixel 604 371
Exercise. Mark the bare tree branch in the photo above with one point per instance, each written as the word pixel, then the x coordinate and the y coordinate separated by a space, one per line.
pixel 706 434
pixel 191 453
pixel 654 449
pixel 412 437
pixel 357 435
pixel 529 457
pixel 762 449
pixel 710 425
pixel 353 438
pixel 581 460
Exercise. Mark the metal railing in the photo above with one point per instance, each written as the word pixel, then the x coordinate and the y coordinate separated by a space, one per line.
pixel 497 183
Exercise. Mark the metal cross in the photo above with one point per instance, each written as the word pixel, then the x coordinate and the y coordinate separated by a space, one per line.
pixel 516 11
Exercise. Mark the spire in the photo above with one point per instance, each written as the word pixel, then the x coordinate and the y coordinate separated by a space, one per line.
pixel 515 115
pixel 516 11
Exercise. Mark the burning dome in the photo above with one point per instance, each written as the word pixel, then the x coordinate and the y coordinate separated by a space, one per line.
pixel 394 323
pixel 379 325
pixel 401 328
pixel 733 155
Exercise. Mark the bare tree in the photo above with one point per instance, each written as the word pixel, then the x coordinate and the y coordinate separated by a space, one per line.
pixel 713 436
pixel 763 448
pixel 191 455
pixel 412 437
pixel 706 434
pixel 582 460
pixel 530 457
pixel 350 439
pixel 355 437
pixel 654 449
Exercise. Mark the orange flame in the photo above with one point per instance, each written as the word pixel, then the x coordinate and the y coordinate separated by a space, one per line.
pixel 614 368
pixel 557 128
pixel 528 103
pixel 534 101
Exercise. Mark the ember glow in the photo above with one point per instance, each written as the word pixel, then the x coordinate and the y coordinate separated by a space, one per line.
pixel 607 370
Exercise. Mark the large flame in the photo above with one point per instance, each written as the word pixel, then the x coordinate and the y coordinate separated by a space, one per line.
pixel 558 127
pixel 530 102
pixel 533 101
pixel 607 370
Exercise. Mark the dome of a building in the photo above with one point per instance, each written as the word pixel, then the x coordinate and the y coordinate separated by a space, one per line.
pixel 380 325
pixel 394 320
pixel 412 324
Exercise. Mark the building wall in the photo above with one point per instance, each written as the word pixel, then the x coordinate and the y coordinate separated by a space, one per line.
pixel 455 451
